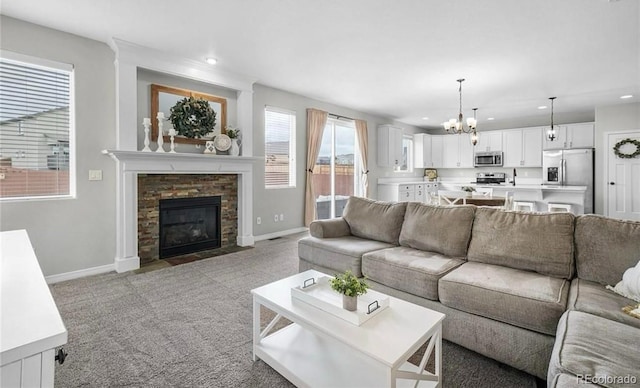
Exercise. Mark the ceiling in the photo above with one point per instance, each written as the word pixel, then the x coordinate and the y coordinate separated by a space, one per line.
pixel 398 59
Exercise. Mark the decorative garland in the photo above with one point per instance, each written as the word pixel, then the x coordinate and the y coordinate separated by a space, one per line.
pixel 193 117
pixel 636 153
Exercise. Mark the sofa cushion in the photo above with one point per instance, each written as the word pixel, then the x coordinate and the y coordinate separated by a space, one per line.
pixel 541 242
pixel 593 298
pixel 409 270
pixel 521 298
pixel 333 227
pixel 605 248
pixel 588 345
pixel 340 253
pixel 444 230
pixel 375 220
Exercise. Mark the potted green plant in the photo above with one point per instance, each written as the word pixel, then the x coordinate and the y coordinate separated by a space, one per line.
pixel 193 117
pixel 234 135
pixel 350 287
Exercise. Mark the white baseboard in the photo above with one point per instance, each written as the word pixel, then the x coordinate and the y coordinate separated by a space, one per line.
pixel 127 264
pixel 281 233
pixel 80 273
pixel 245 241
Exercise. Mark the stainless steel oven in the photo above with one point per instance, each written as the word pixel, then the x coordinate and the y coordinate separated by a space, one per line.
pixel 488 159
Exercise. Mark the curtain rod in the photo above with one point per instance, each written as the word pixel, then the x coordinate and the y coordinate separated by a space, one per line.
pixel 340 117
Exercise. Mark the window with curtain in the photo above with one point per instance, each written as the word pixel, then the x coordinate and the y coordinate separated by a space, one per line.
pixel 35 128
pixel 279 148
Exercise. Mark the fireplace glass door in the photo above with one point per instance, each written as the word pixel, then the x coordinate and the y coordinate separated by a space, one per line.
pixel 189 225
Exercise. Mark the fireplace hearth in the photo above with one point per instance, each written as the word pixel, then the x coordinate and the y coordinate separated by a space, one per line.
pixel 189 225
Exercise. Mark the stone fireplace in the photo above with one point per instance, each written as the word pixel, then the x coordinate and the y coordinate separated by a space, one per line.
pixel 202 208
pixel 144 178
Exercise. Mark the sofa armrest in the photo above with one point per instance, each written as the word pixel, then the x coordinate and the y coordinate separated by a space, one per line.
pixel 335 227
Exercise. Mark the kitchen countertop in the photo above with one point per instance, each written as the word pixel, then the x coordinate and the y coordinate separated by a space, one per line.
pixel 507 186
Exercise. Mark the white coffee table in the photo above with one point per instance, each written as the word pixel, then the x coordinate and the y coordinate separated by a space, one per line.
pixel 322 350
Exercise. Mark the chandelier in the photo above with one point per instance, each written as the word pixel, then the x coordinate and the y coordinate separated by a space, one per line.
pixel 551 133
pixel 454 126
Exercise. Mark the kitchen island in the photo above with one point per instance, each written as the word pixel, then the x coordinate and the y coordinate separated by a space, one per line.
pixel 540 195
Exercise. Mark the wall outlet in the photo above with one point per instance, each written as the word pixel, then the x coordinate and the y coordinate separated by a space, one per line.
pixel 95 175
pixel 2 176
pixel 275 218
pixel 281 216
pixel 259 220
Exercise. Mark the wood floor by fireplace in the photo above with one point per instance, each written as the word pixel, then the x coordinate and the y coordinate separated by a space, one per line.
pixel 189 225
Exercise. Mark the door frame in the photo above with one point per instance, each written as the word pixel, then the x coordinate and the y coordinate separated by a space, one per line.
pixel 605 181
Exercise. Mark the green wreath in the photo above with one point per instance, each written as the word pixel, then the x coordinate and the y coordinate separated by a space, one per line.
pixel 193 117
pixel 636 153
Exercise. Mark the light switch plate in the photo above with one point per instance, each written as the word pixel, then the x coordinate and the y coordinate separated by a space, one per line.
pixel 95 175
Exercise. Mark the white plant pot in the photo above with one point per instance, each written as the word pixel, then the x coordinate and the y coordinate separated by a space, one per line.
pixel 235 149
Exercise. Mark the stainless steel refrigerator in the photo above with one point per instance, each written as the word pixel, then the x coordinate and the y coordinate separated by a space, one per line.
pixel 574 167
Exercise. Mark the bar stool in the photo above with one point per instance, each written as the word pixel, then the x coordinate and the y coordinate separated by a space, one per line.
pixel 524 206
pixel 559 207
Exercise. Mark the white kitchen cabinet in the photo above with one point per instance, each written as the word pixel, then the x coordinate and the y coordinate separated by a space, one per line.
pixel 402 192
pixel 437 151
pixel 389 146
pixel 522 147
pixel 457 151
pixel 419 193
pixel 422 150
pixel 30 325
pixel 579 135
pixel 489 141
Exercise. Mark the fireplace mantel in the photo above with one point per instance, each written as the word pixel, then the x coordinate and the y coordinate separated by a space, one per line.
pixel 131 163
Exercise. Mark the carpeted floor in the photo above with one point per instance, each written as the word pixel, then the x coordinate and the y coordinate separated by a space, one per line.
pixel 190 326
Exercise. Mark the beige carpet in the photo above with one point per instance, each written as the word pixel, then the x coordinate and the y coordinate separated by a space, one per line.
pixel 190 326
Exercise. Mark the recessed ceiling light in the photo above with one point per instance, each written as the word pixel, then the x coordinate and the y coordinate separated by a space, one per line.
pixel 212 61
pixel 425 118
pixel 490 118
pixel 626 96
pixel 542 107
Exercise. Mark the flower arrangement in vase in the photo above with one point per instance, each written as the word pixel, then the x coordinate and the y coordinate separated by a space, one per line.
pixel 350 287
pixel 234 135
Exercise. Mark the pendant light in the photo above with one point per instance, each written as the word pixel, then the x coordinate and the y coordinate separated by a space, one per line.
pixel 551 133
pixel 458 126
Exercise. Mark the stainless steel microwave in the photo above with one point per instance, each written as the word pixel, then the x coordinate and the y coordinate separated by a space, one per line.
pixel 487 159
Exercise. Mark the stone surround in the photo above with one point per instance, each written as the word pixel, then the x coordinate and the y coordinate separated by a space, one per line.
pixel 153 187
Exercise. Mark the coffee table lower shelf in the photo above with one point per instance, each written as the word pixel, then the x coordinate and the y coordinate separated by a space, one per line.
pixel 310 360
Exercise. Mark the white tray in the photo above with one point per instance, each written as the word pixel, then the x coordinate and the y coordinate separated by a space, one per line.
pixel 321 295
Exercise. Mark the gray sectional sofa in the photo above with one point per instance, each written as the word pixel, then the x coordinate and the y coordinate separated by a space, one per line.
pixel 526 289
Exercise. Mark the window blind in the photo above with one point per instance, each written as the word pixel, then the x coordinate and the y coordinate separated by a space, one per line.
pixel 280 128
pixel 34 130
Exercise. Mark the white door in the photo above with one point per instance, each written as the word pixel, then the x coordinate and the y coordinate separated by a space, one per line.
pixel 623 178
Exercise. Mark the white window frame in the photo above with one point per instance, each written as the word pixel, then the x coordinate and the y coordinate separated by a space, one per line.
pixel 357 164
pixel 409 161
pixel 49 64
pixel 292 146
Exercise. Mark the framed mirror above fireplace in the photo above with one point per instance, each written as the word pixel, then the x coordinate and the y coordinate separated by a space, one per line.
pixel 165 97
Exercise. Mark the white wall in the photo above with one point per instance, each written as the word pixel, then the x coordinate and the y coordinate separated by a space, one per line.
pixel 290 202
pixel 72 234
pixel 623 117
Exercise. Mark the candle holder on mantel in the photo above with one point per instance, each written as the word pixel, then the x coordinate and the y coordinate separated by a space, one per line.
pixel 146 122
pixel 160 118
pixel 172 134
